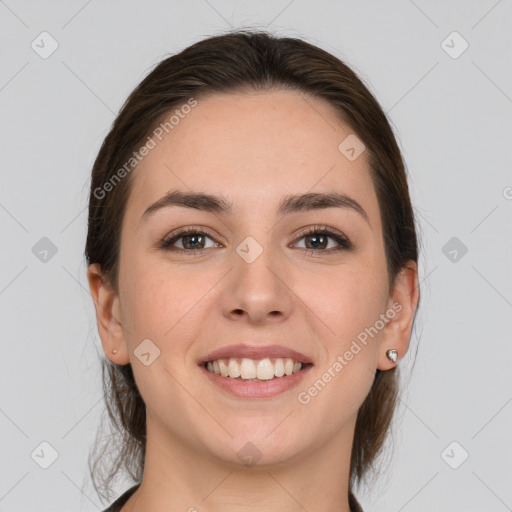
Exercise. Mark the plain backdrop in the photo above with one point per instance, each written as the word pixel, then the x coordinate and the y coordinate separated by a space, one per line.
pixel 442 72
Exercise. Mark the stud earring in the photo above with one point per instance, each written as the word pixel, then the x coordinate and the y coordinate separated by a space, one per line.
pixel 114 351
pixel 392 354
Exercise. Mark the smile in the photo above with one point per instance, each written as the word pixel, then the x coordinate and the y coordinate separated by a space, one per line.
pixel 250 378
pixel 254 370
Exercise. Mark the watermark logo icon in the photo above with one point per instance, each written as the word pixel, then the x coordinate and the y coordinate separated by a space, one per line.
pixel 147 352
pixel 454 45
pixel 249 454
pixel 351 147
pixel 44 250
pixel 249 249
pixel 44 45
pixel 454 455
pixel 454 249
pixel 44 455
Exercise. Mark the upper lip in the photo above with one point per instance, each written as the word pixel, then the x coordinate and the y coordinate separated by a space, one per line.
pixel 255 352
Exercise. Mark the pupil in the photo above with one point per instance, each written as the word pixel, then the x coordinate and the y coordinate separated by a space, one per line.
pixel 317 237
pixel 188 237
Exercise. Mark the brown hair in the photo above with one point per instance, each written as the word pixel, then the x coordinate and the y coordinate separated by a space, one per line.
pixel 238 61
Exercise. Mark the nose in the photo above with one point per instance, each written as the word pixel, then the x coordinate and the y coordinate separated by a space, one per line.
pixel 257 291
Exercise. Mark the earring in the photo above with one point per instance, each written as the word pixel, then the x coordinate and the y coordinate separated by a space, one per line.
pixel 114 351
pixel 392 354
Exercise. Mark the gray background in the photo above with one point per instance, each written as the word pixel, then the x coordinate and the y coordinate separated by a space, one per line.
pixel 452 119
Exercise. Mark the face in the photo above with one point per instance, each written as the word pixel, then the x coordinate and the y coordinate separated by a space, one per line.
pixel 253 276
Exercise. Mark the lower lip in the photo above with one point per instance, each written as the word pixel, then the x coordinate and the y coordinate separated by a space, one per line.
pixel 262 389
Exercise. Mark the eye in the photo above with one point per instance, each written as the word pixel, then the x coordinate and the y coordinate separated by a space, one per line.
pixel 317 240
pixel 192 240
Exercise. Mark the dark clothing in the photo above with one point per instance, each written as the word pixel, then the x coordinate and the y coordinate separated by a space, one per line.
pixel 116 506
pixel 353 503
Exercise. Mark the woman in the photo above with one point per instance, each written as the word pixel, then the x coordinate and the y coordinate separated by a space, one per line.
pixel 252 258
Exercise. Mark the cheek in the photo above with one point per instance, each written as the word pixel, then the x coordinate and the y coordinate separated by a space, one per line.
pixel 346 301
pixel 145 302
pixel 346 307
pixel 164 302
pixel 159 306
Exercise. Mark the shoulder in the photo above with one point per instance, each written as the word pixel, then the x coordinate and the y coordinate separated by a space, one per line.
pixel 116 506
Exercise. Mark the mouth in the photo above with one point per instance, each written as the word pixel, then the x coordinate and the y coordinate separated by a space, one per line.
pixel 255 370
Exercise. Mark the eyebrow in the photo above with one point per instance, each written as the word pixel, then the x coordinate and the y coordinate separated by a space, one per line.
pixel 289 204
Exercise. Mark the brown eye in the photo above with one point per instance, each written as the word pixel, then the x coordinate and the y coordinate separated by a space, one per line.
pixel 191 240
pixel 317 240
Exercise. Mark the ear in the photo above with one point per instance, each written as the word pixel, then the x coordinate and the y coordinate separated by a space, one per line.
pixel 108 316
pixel 402 305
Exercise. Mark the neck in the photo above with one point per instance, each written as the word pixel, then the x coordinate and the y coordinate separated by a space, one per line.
pixel 179 476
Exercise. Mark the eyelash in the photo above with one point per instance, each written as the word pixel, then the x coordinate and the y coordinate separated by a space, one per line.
pixel 344 243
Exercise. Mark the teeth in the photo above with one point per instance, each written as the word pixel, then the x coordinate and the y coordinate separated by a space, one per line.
pixel 279 368
pixel 234 369
pixel 248 369
pixel 265 370
pixel 224 369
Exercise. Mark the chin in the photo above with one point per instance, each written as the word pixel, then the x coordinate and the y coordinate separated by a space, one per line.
pixel 257 448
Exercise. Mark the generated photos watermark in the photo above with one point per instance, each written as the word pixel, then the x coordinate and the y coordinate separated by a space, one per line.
pixel 305 397
pixel 159 132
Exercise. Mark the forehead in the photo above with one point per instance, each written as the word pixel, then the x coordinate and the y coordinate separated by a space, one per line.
pixel 269 143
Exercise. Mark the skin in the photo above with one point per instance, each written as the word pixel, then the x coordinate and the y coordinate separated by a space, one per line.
pixel 253 149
